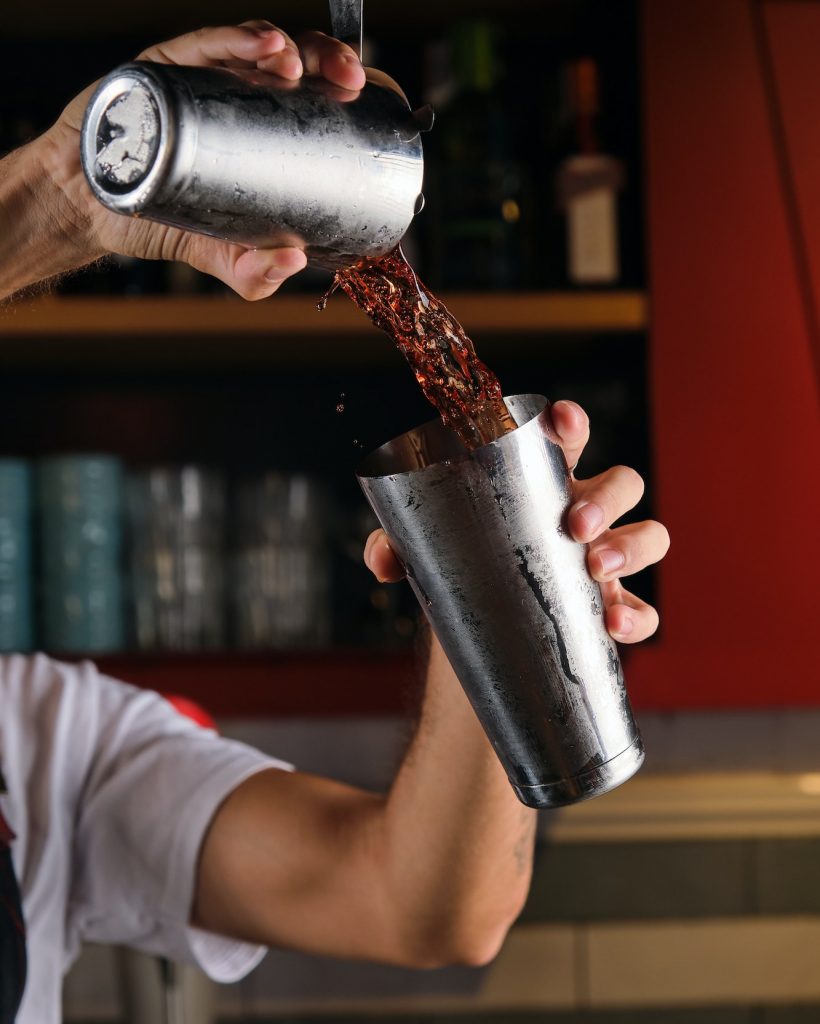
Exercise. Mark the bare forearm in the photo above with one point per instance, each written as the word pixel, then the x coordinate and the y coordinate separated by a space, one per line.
pixel 40 236
pixel 433 873
pixel 460 843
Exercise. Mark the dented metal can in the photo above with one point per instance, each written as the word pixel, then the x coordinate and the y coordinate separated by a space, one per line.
pixel 482 536
pixel 251 158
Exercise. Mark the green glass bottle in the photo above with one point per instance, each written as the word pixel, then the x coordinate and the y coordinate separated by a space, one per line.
pixel 479 197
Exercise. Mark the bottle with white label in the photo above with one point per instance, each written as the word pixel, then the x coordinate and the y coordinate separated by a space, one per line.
pixel 587 186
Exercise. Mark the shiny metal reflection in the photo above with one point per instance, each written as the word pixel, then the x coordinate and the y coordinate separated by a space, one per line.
pixel 244 156
pixel 482 537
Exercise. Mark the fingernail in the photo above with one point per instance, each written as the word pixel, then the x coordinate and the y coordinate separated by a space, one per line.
pixel 591 515
pixel 266 33
pixel 351 58
pixel 626 627
pixel 610 560
pixel 568 405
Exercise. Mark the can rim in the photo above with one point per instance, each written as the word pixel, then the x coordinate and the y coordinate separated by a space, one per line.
pixel 115 84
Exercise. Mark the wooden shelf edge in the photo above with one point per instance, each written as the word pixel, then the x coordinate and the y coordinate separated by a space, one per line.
pixel 513 312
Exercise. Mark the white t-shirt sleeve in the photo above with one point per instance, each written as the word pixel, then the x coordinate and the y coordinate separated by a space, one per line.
pixel 153 785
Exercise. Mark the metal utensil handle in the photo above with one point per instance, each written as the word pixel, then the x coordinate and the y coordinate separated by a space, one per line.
pixel 346 21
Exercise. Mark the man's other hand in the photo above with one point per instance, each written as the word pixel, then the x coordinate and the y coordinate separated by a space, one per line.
pixel 613 552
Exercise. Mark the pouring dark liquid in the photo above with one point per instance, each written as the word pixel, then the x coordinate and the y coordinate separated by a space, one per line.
pixel 465 392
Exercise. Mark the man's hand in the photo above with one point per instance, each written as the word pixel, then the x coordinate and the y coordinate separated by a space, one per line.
pixel 613 553
pixel 92 231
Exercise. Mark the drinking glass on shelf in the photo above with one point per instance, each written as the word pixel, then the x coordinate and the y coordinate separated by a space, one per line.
pixel 79 500
pixel 281 586
pixel 176 518
pixel 16 612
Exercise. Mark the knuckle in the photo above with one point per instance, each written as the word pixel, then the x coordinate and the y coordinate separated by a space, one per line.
pixel 653 534
pixel 646 623
pixel 154 53
pixel 642 544
pixel 631 477
pixel 312 38
pixel 608 496
pixel 323 45
pixel 179 247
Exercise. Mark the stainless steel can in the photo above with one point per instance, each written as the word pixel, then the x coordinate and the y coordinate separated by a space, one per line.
pixel 247 157
pixel 482 536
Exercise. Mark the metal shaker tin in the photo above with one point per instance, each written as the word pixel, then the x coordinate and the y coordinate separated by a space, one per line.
pixel 482 537
pixel 247 157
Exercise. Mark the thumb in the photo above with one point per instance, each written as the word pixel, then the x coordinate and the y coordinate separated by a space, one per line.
pixel 252 273
pixel 380 558
pixel 571 424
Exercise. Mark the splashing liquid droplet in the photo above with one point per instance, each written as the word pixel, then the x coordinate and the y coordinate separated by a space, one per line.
pixel 321 305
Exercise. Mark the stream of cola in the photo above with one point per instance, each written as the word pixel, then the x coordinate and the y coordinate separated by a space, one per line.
pixel 465 392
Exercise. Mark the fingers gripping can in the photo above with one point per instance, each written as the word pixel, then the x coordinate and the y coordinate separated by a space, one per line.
pixel 251 158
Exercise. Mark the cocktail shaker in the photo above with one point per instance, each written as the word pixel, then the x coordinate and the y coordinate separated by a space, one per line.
pixel 248 157
pixel 482 536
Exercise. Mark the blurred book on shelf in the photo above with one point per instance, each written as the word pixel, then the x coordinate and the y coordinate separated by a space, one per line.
pixel 184 558
pixel 79 521
pixel 281 565
pixel 16 556
pixel 176 521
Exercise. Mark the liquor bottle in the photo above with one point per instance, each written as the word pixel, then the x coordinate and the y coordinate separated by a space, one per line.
pixel 587 185
pixel 478 196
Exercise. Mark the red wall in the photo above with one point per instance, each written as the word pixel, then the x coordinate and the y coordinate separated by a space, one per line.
pixel 734 252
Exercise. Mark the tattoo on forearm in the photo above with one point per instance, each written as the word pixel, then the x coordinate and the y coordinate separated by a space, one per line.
pixel 522 852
